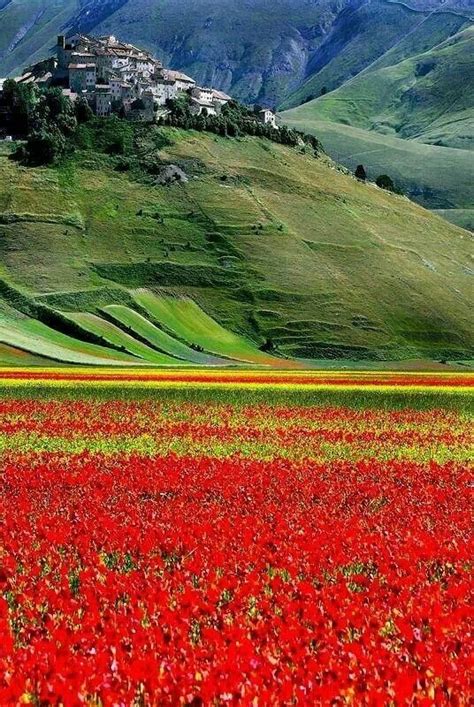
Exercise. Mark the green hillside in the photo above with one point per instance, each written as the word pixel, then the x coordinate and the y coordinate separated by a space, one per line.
pixel 438 178
pixel 405 119
pixel 270 248
pixel 428 97
pixel 28 29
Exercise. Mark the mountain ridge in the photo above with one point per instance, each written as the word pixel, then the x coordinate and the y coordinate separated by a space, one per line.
pixel 258 52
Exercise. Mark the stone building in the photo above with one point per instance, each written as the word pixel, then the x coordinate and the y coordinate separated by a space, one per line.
pixel 268 117
pixel 82 77
pixel 103 100
pixel 115 75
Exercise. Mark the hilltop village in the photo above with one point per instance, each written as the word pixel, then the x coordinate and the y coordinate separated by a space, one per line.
pixel 117 77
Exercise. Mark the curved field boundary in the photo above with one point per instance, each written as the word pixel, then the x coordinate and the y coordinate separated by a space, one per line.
pixel 189 322
pixel 35 337
pixel 120 339
pixel 135 323
pixel 12 356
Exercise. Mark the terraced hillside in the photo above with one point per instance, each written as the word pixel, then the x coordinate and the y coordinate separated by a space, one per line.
pixel 438 178
pixel 266 252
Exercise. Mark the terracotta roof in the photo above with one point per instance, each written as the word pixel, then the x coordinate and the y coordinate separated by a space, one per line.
pixel 221 95
pixel 178 76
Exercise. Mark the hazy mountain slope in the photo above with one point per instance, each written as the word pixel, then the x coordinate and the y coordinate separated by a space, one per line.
pixel 377 34
pixel 28 29
pixel 429 97
pixel 271 242
pixel 258 50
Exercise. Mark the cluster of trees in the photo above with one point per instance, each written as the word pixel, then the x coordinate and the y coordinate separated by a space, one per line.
pixel 51 125
pixel 44 118
pixel 234 120
pixel 383 180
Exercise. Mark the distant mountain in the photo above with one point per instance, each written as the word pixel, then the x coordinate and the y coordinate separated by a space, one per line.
pixel 428 97
pixel 382 117
pixel 260 51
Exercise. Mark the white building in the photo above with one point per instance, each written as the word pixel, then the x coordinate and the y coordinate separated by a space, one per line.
pixel 183 82
pixel 220 98
pixel 121 90
pixel 268 117
pixel 109 71
pixel 164 90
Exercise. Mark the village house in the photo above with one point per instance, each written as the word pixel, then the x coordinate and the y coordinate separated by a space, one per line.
pixel 182 82
pixel 220 98
pixel 103 100
pixel 117 76
pixel 82 77
pixel 268 117
pixel 202 101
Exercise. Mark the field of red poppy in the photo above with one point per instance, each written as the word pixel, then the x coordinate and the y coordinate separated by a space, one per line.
pixel 235 538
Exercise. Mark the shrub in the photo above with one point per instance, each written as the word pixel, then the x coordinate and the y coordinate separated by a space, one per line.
pixel 385 182
pixel 360 173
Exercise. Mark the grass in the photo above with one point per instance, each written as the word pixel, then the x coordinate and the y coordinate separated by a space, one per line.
pixel 464 218
pixel 269 242
pixel 156 337
pixel 411 118
pixel 119 339
pixel 34 337
pixel 193 325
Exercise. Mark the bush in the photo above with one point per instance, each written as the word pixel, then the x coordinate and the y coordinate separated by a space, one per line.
pixel 45 144
pixel 360 173
pixel 385 182
pixel 83 110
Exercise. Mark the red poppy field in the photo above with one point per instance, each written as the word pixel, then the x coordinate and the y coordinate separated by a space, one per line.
pixel 216 546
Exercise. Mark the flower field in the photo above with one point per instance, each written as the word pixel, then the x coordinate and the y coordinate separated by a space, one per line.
pixel 176 539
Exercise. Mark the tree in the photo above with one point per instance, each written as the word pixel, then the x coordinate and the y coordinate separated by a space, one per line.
pixel 324 90
pixel 385 182
pixel 360 173
pixel 45 144
pixel 83 110
pixel 20 101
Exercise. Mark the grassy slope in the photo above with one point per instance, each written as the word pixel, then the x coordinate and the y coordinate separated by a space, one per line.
pixel 194 326
pixel 285 247
pixel 120 339
pixel 436 177
pixel 364 121
pixel 139 325
pixel 429 97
